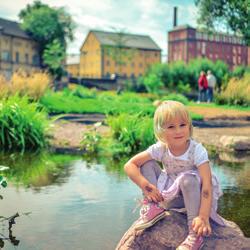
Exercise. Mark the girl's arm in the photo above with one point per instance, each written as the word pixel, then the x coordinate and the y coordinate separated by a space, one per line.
pixel 132 169
pixel 201 223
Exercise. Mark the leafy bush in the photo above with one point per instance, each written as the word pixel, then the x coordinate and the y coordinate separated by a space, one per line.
pixel 83 92
pixel 237 92
pixel 23 124
pixel 131 133
pixel 239 71
pixel 176 97
pixel 219 69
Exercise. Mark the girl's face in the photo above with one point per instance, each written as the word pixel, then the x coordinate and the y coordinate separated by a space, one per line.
pixel 177 132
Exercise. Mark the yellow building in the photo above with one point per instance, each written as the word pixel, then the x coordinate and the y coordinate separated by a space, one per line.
pixel 17 49
pixel 73 65
pixel 104 54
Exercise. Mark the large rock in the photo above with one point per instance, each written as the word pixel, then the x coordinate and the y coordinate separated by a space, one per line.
pixel 238 143
pixel 168 233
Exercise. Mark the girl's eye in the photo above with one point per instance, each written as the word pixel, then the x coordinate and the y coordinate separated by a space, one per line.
pixel 171 126
pixel 183 124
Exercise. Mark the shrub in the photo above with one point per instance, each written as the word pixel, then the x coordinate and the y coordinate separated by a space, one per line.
pixel 237 92
pixel 83 92
pixel 239 71
pixel 23 124
pixel 131 133
pixel 176 97
pixel 34 85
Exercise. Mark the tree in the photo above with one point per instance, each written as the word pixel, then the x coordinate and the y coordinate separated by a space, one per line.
pixel 53 57
pixel 47 25
pixel 234 14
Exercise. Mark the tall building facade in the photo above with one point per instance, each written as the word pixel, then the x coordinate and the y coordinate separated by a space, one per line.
pixel 100 52
pixel 17 49
pixel 186 43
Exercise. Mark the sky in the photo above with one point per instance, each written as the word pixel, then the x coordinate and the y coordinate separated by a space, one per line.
pixel 145 17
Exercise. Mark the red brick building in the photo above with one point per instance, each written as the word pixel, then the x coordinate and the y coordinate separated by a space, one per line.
pixel 185 43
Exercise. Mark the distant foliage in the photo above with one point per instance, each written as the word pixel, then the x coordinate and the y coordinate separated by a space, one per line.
pixel 176 97
pixel 239 71
pixel 237 92
pixel 180 77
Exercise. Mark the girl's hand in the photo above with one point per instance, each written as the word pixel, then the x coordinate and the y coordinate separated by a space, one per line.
pixel 201 226
pixel 152 193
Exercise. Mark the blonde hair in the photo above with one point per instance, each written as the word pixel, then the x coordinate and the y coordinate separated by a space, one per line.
pixel 167 111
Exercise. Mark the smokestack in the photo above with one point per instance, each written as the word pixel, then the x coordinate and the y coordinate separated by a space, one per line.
pixel 175 17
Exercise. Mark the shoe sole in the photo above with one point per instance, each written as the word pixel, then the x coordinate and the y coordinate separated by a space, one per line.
pixel 150 223
pixel 202 245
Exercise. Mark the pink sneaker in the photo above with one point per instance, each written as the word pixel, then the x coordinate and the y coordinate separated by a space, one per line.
pixel 150 213
pixel 192 242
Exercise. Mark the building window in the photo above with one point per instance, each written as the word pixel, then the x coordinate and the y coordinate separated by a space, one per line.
pixel 5 55
pixel 26 58
pixel 17 57
pixel 203 48
pixel 156 54
pixel 35 60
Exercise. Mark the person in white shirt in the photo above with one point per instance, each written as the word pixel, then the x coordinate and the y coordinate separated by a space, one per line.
pixel 211 85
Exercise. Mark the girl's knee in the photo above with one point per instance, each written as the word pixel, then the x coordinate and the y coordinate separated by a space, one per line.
pixel 149 164
pixel 189 182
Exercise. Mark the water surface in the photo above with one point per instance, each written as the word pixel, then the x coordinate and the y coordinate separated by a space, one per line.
pixel 84 204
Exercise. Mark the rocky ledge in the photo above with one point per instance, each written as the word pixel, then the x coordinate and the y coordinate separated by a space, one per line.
pixel 168 233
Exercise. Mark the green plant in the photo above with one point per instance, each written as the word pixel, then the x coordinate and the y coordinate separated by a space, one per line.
pixel 130 133
pixel 23 124
pixel 176 97
pixel 237 92
pixel 91 140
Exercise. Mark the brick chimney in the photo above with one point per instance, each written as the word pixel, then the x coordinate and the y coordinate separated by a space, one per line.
pixel 175 17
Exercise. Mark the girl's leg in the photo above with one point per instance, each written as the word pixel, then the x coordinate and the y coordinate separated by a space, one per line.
pixel 151 171
pixel 150 212
pixel 190 188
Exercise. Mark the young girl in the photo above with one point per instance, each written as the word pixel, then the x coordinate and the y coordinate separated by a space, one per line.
pixel 186 180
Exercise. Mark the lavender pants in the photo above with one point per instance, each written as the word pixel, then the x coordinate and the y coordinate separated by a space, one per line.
pixel 189 185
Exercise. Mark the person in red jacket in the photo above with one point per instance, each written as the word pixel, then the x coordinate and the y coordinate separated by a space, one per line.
pixel 203 85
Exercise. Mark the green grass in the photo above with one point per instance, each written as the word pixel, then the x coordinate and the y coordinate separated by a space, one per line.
pixel 101 102
pixel 213 105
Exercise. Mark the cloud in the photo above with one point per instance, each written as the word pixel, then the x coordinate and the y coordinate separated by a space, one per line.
pixel 151 17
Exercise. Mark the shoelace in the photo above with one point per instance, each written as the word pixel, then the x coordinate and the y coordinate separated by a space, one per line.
pixel 191 240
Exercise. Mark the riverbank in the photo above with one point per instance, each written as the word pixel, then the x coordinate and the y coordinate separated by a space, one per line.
pixel 67 134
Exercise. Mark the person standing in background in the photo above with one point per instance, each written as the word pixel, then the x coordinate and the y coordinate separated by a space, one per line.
pixel 203 86
pixel 211 80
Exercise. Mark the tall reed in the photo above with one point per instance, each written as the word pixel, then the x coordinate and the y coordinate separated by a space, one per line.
pixel 33 84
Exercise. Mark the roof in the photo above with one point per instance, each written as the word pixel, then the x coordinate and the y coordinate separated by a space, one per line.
pixel 182 27
pixel 129 40
pixel 73 59
pixel 12 28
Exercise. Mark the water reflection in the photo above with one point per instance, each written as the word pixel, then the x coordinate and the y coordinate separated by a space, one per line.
pixel 82 203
